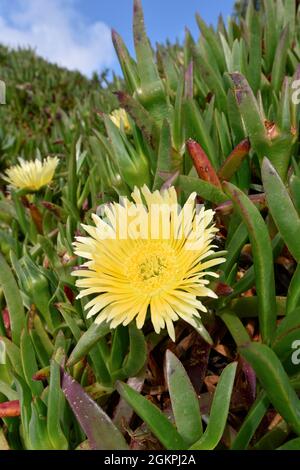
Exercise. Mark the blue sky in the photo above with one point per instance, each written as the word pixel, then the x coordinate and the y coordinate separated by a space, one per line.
pixel 76 33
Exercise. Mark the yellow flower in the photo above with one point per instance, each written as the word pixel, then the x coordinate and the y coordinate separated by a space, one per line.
pixel 31 175
pixel 119 116
pixel 150 255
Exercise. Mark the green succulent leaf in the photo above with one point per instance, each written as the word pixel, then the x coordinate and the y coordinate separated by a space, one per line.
pixel 275 382
pixel 219 411
pixel 293 295
pixel 13 299
pixel 204 189
pixel 158 423
pixel 56 402
pixel 29 363
pixel 293 444
pixel 262 259
pixel 251 422
pixel 137 355
pixel 87 341
pixel 281 207
pixel 186 412
pixel 279 63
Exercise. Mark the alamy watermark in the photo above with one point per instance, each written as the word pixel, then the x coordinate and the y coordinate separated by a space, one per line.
pixel 296 354
pixel 2 92
pixel 157 222
pixel 296 93
pixel 2 353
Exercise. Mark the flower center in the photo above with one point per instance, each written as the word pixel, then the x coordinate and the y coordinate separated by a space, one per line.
pixel 152 267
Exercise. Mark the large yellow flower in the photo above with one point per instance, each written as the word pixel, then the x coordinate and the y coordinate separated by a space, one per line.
pixel 149 253
pixel 31 175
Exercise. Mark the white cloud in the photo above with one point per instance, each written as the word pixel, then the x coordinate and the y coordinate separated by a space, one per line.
pixel 57 32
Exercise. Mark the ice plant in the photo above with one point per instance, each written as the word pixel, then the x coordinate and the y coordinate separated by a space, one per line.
pixel 119 117
pixel 149 253
pixel 31 175
pixel 218 116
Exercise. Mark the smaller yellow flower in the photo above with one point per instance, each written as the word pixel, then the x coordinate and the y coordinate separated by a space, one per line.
pixel 31 175
pixel 119 116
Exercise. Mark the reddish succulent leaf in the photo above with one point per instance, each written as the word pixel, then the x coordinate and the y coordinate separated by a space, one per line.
pixel 6 318
pixel 258 199
pixel 222 290
pixel 202 164
pixel 56 210
pixel 101 432
pixel 9 409
pixel 234 160
pixel 250 376
pixel 36 217
pixel 69 294
pixel 42 374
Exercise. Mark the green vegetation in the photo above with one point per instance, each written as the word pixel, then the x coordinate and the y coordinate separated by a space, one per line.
pixel 218 116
